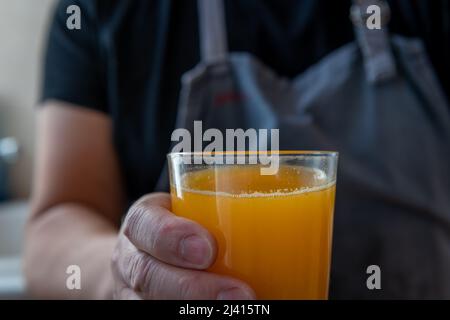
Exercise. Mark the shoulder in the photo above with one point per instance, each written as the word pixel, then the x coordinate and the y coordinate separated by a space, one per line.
pixel 98 9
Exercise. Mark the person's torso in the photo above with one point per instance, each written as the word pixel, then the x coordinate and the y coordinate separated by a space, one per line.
pixel 146 46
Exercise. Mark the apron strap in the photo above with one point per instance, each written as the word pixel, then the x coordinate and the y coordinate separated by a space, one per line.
pixel 213 35
pixel 379 62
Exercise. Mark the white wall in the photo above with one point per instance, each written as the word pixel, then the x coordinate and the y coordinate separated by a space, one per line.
pixel 23 27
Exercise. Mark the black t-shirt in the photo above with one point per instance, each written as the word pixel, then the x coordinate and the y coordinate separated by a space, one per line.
pixel 128 58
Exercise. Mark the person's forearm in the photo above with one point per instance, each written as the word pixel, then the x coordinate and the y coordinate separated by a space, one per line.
pixel 65 235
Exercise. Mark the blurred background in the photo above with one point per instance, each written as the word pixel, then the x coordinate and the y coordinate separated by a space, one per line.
pixel 20 57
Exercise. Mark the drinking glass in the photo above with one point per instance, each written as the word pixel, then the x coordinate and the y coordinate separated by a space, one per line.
pixel 273 231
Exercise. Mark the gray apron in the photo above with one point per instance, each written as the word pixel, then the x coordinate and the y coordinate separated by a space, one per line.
pixel 378 103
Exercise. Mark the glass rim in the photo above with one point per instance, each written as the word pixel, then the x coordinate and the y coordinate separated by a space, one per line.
pixel 303 153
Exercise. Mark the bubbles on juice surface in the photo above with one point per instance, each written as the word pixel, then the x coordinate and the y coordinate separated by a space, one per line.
pixel 245 181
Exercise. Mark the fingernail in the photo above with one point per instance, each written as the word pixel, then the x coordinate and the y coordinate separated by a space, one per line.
pixel 196 250
pixel 235 294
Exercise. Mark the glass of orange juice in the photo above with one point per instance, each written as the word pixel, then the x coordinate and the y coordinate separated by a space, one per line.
pixel 273 231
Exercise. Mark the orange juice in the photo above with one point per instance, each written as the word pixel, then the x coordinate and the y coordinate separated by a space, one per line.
pixel 273 232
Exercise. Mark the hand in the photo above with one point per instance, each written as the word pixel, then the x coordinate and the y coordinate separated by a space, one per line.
pixel 161 256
